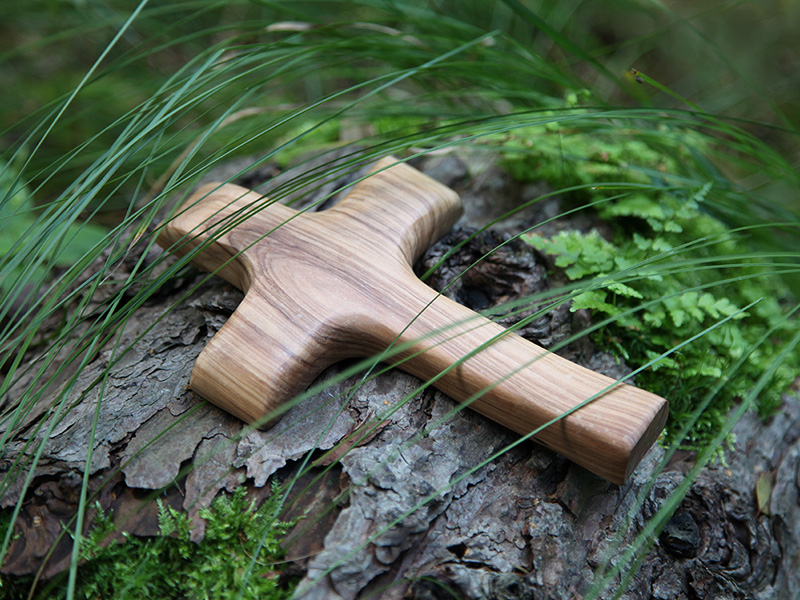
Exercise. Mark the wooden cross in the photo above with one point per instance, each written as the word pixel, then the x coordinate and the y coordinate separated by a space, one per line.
pixel 336 284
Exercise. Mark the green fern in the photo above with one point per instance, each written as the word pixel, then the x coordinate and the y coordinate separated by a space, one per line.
pixel 669 271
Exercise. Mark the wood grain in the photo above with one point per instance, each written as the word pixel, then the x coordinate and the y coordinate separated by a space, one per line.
pixel 321 287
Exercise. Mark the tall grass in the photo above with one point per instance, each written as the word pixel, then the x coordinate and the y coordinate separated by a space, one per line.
pixel 143 99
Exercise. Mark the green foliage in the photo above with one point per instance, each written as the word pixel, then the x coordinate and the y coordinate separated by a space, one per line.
pixel 19 221
pixel 238 536
pixel 668 272
pixel 577 148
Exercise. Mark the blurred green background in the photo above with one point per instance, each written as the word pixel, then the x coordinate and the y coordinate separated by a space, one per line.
pixel 739 59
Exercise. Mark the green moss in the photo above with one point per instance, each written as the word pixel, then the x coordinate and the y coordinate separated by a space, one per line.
pixel 668 272
pixel 239 554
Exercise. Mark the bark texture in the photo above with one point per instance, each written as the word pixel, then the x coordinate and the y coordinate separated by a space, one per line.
pixel 404 497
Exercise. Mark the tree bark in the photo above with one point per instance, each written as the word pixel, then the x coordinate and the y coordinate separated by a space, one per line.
pixel 402 498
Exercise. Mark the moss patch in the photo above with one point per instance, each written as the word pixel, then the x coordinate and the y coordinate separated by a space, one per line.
pixel 239 557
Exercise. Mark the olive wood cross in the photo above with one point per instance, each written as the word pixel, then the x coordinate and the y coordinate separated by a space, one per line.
pixel 335 284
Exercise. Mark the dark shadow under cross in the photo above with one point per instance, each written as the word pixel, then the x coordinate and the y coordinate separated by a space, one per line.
pixel 325 286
